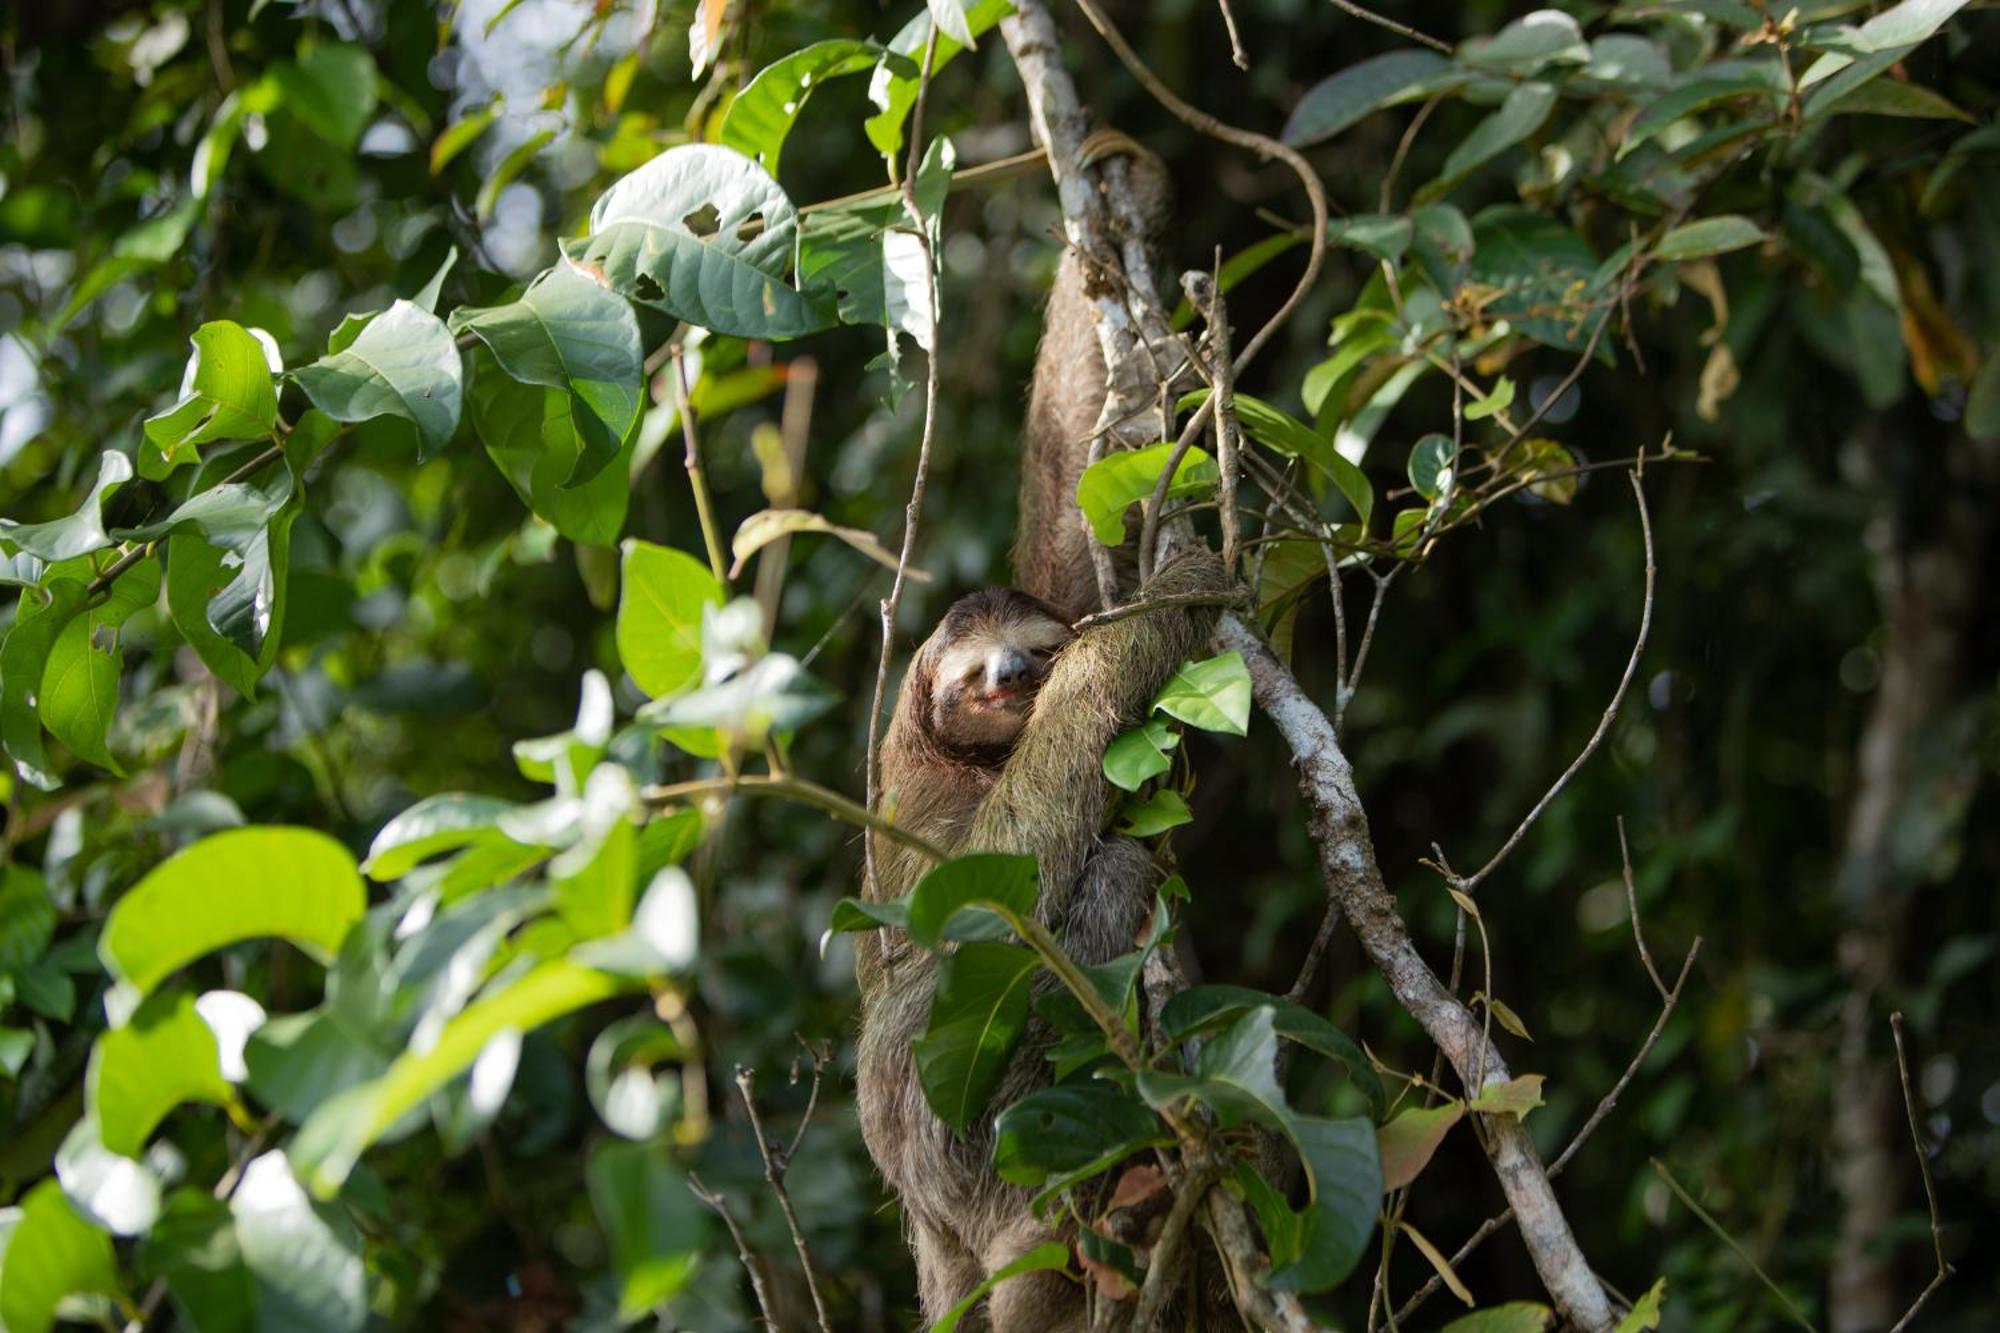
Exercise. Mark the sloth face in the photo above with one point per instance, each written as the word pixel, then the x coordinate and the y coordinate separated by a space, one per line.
pixel 988 658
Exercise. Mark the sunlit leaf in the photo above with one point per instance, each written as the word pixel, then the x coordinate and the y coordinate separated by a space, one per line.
pixel 304 1256
pixel 226 394
pixel 52 1253
pixel 163 1055
pixel 404 364
pixel 1120 480
pixel 1213 694
pixel 660 603
pixel 1139 755
pixel 767 107
pixel 768 525
pixel 331 88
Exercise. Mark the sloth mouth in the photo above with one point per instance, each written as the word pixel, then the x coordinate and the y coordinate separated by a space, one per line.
pixel 1006 698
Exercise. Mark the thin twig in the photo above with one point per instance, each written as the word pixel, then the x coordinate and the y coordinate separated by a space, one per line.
pixel 1237 54
pixel 703 508
pixel 798 789
pixel 1228 441
pixel 743 1254
pixel 1162 1270
pixel 795 425
pixel 819 1055
pixel 913 512
pixel 1944 1270
pixel 774 1175
pixel 1736 1246
pixel 1469 882
pixel 1632 906
pixel 1163 602
pixel 1401 30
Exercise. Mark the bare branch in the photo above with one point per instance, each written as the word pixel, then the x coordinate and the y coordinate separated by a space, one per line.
pixel 704 508
pixel 1163 1268
pixel 1944 1270
pixel 774 1175
pixel 743 1253
pixel 798 789
pixel 1736 1246
pixel 1205 293
pixel 1401 30
pixel 1471 881
pixel 913 513
pixel 1164 602
pixel 1339 829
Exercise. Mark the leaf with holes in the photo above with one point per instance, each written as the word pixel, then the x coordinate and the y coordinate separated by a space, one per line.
pixel 899 75
pixel 703 233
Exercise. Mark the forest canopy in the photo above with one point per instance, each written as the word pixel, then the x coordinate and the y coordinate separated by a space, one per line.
pixel 472 476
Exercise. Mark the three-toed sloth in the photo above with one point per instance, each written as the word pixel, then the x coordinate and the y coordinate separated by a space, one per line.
pixel 996 745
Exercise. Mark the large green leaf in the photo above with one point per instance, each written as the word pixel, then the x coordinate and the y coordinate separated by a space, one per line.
pixel 404 364
pixel 656 1227
pixel 330 88
pixel 977 1016
pixel 164 1055
pixel 329 1144
pixel 1338 101
pixel 1120 480
pixel 27 916
pixel 703 233
pixel 231 544
pixel 1136 757
pixel 1707 85
pixel 38 623
pixel 531 435
pixel 1530 43
pixel 982 879
pixel 1205 1008
pixel 1275 428
pixel 445 822
pixel 52 1253
pixel 1071 1132
pixel 226 394
pixel 79 686
pixel 767 107
pixel 80 533
pixel 569 332
pixel 660 602
pixel 866 255
pixel 294 883
pixel 1213 694
pixel 898 77
pixel 305 1257
pixel 1539 266
pixel 1519 116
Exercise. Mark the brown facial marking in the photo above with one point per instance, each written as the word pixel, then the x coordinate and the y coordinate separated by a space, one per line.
pixel 988 659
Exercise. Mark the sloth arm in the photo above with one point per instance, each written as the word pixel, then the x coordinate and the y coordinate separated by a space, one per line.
pixel 1049 801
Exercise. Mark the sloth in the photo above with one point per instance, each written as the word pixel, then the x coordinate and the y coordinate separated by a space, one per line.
pixel 996 745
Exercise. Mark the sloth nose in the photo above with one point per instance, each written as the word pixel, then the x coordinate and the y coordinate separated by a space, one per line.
pixel 1008 668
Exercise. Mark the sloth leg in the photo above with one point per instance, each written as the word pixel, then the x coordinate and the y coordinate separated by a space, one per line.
pixel 946 1272
pixel 1044 1302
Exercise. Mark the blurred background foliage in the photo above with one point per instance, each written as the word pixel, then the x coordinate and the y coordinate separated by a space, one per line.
pixel 1818 640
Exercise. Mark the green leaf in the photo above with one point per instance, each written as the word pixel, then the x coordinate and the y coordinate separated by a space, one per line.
pixel 1154 815
pixel 23 656
pixel 1213 694
pixel 659 616
pixel 1336 102
pixel 27 916
pixel 83 531
pixel 1709 236
pixel 657 1228
pixel 507 169
pixel 893 89
pixel 1047 1257
pixel 764 112
pixel 79 690
pixel 1892 97
pixel 330 88
pixel 1515 1096
pixel 1275 428
pixel 977 1016
pixel 234 543
pixel 1408 1141
pixel 329 1144
pixel 1118 481
pixel 1645 1315
pixel 445 822
pixel 1513 1317
pixel 568 332
pixel 297 1062
pixel 1545 37
pixel 703 233
pixel 1430 465
pixel 1383 235
pixel 1140 755
pixel 531 435
pixel 1491 404
pixel 867 256
pixel 304 1257
pixel 226 394
pixel 294 883
pixel 1540 267
pixel 982 879
pixel 193 1249
pixel 1206 1008
pixel 459 136
pixel 768 525
pixel 1519 116
pixel 52 1253
pixel 1706 86
pixel 1068 1133
pixel 404 364
pixel 164 1055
